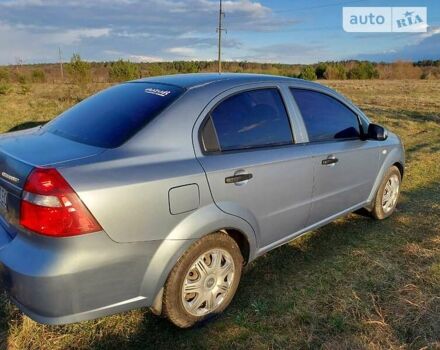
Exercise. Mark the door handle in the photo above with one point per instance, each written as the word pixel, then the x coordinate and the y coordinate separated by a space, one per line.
pixel 330 161
pixel 235 179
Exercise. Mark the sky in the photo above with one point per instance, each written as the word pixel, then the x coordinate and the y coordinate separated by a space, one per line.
pixel 276 31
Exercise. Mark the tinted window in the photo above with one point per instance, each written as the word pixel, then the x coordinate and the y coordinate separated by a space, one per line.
pixel 325 117
pixel 252 119
pixel 111 117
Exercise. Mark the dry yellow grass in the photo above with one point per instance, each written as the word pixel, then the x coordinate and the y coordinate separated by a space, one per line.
pixel 356 283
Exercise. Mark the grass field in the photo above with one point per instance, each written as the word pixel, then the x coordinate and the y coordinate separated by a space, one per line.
pixel 356 283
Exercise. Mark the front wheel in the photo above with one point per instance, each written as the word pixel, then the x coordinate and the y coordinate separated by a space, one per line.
pixel 387 194
pixel 204 280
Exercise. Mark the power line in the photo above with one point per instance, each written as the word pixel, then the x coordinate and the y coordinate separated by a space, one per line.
pixel 315 7
pixel 235 16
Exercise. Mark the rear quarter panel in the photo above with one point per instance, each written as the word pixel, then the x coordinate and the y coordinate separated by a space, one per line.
pixel 128 194
pixel 127 189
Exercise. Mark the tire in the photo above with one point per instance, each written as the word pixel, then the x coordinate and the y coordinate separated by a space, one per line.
pixel 216 255
pixel 380 211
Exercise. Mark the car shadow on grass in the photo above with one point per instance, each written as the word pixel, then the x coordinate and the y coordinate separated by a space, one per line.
pixel 319 290
pixel 8 313
pixel 400 115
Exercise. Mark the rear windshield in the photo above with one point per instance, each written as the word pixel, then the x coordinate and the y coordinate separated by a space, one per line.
pixel 113 116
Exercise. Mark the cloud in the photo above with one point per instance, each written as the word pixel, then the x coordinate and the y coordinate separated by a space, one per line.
pixel 432 30
pixel 423 46
pixel 171 30
pixel 286 53
pixel 24 41
pixel 182 51
pixel 74 36
pixel 251 7
pixel 164 16
pixel 152 30
pixel 140 58
pixel 116 55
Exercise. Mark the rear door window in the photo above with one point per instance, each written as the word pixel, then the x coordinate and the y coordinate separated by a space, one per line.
pixel 111 117
pixel 250 119
pixel 325 117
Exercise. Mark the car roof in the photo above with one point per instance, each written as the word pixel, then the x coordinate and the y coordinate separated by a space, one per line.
pixel 189 81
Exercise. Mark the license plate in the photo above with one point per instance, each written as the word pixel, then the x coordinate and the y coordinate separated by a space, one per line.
pixel 3 199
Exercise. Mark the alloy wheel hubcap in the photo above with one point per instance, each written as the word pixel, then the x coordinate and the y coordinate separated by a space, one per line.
pixel 208 282
pixel 390 194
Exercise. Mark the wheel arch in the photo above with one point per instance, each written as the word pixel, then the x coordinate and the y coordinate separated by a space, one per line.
pixel 242 241
pixel 202 222
pixel 401 168
pixel 394 157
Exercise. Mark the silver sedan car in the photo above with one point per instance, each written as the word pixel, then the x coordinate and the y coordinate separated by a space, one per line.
pixel 156 192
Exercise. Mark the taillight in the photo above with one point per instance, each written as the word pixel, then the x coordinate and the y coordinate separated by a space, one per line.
pixel 51 207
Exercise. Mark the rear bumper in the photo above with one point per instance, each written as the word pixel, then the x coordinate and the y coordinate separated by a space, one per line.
pixel 65 280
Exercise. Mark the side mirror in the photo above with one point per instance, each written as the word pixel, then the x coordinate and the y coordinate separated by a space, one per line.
pixel 377 132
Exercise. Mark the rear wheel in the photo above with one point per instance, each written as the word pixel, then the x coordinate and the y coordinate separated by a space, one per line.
pixel 387 195
pixel 204 281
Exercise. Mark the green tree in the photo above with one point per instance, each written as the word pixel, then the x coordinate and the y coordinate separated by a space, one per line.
pixel 186 66
pixel 307 73
pixel 155 69
pixel 123 71
pixel 320 70
pixel 335 71
pixel 79 70
pixel 364 70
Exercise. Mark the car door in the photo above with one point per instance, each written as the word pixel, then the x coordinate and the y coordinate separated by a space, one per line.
pixel 345 164
pixel 254 168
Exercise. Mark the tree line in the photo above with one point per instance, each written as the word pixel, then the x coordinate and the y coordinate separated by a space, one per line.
pixel 80 71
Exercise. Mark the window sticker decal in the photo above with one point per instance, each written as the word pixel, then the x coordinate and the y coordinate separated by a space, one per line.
pixel 158 92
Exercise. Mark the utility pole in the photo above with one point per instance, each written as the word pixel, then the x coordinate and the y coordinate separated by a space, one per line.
pixel 61 64
pixel 220 29
pixel 18 63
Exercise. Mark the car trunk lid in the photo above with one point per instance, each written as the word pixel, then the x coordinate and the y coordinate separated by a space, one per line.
pixel 20 153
